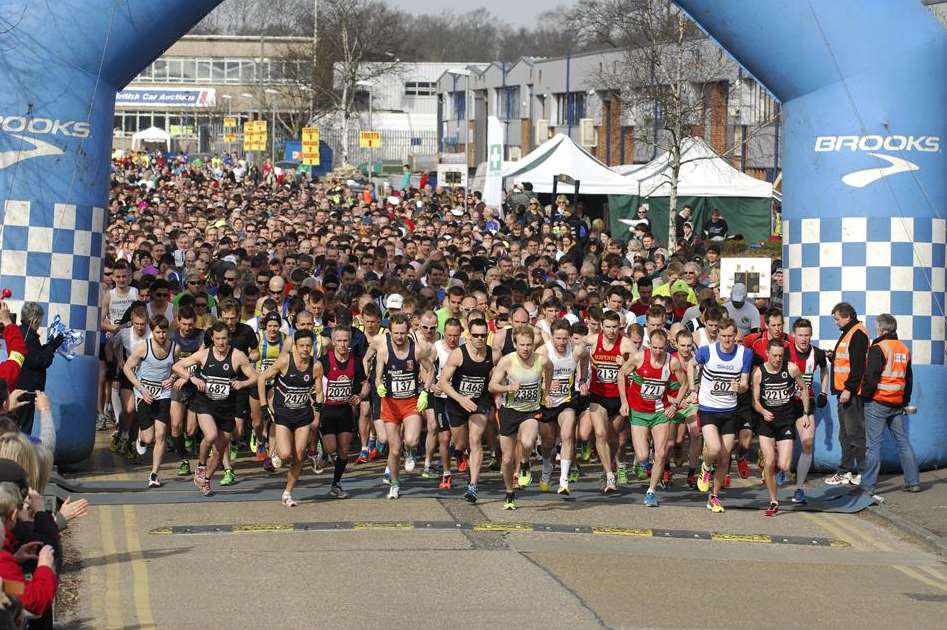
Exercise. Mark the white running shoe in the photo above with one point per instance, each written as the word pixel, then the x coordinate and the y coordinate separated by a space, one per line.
pixel 838 479
pixel 409 462
pixel 140 448
pixel 276 461
pixel 855 480
pixel 394 491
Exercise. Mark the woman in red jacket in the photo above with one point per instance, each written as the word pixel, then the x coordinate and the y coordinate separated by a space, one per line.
pixel 16 348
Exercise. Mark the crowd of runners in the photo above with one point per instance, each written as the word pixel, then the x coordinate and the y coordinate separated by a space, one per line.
pixel 256 312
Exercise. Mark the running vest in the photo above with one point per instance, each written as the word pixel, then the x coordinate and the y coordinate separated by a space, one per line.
pixel 647 385
pixel 130 340
pixel 118 303
pixel 893 381
pixel 339 379
pixel 470 378
pixel 526 398
pixel 716 393
pixel 186 346
pixel 401 375
pixel 508 347
pixel 563 375
pixel 443 353
pixel 841 364
pixel 152 371
pixel 168 311
pixel 292 394
pixel 806 364
pixel 605 364
pixel 777 393
pixel 219 373
pixel 269 351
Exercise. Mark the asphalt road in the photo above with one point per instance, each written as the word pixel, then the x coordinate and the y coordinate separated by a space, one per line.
pixel 602 565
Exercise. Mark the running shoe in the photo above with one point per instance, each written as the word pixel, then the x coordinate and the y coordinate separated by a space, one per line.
pixel 586 453
pixel 446 483
pixel 563 489
pixel 153 481
pixel 780 478
pixel 714 505
pixel 609 487
pixel 374 454
pixel 234 451
pixel 544 481
pixel 184 469
pixel 428 473
pixel 336 492
pixel 229 478
pixel 838 479
pixel 409 462
pixel 200 476
pixel 260 451
pixel 705 480
pixel 140 448
pixel 799 496
pixel 692 481
pixel 394 491
pixel 471 493
pixel 386 478
pixel 666 478
pixel 855 480
pixel 743 467
pixel 205 488
pixel 268 464
pixel 277 461
pixel 103 422
pixel 462 464
pixel 253 442
pixel 726 481
pixel 509 503
pixel 318 464
pixel 526 478
pixel 363 457
pixel 773 509
pixel 914 487
pixel 575 474
pixel 288 500
pixel 115 442
pixel 188 443
pixel 495 464
pixel 622 474
pixel 650 499
pixel 640 472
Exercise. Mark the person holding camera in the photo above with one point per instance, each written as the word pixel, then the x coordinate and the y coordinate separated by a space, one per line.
pixel 39 356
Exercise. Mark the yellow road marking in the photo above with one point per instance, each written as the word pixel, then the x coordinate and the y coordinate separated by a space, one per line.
pixel 748 538
pixel 503 527
pixel 140 587
pixel 253 528
pixel 832 529
pixel 622 531
pixel 113 583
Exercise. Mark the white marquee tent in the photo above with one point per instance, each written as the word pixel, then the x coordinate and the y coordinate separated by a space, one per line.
pixel 560 155
pixel 151 135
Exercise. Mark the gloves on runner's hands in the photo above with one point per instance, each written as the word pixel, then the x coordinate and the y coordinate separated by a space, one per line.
pixel 422 402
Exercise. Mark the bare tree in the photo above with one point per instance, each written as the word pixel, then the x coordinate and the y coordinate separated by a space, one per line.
pixel 667 76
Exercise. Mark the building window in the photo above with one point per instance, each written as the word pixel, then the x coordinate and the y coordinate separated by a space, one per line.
pixel 247 72
pixel 420 88
pixel 161 70
pixel 203 70
pixel 508 102
pixel 218 71
pixel 460 106
pixel 570 107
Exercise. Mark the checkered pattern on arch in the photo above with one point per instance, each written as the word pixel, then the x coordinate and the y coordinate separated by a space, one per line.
pixel 51 253
pixel 879 265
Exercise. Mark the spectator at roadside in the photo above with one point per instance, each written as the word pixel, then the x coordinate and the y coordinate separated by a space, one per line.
pixel 715 229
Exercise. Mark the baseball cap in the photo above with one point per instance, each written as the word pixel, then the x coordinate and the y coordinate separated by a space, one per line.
pixel 679 286
pixel 738 292
pixel 394 301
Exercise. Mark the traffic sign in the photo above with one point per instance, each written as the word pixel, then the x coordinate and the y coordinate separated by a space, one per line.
pixel 310 146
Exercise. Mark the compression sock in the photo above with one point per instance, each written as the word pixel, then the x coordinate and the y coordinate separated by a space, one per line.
pixel 179 448
pixel 564 466
pixel 802 468
pixel 340 463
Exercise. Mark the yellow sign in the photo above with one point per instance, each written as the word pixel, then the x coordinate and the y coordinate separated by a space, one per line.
pixel 230 122
pixel 310 148
pixel 369 139
pixel 230 137
pixel 254 135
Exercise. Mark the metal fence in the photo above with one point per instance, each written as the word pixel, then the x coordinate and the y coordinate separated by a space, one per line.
pixel 396 145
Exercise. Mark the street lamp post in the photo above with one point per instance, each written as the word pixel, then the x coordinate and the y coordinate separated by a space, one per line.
pixel 463 72
pixel 272 92
pixel 371 149
pixel 249 97
pixel 228 98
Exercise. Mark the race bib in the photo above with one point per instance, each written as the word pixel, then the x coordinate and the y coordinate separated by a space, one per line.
pixel 560 387
pixel 652 391
pixel 339 392
pixel 606 373
pixel 527 394
pixel 218 389
pixel 723 388
pixel 297 399
pixel 404 387
pixel 470 387
pixel 154 388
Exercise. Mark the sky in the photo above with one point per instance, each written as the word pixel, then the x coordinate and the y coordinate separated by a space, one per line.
pixel 516 12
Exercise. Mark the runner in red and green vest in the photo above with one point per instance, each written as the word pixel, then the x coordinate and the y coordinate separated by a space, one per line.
pixel 648 391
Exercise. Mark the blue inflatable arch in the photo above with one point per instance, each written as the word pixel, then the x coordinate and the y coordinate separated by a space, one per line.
pixel 863 92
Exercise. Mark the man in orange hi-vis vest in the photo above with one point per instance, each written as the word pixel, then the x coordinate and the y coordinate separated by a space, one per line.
pixel 886 390
pixel 848 367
